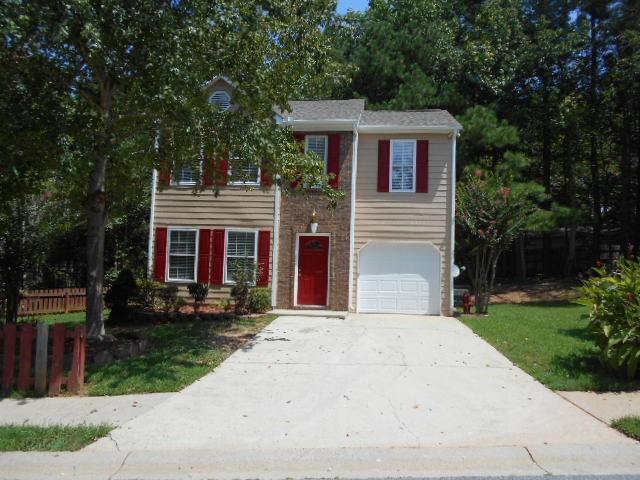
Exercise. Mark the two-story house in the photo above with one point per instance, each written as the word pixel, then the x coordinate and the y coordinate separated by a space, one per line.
pixel 386 247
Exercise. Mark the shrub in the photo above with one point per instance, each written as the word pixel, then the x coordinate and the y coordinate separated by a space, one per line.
pixel 148 291
pixel 259 300
pixel 614 319
pixel 244 275
pixel 199 292
pixel 123 290
pixel 168 295
pixel 225 304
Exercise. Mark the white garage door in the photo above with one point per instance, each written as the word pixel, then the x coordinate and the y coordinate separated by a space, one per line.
pixel 399 278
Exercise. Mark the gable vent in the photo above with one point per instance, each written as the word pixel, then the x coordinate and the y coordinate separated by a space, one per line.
pixel 222 99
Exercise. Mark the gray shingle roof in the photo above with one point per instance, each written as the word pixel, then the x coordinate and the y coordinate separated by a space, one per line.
pixel 408 118
pixel 326 109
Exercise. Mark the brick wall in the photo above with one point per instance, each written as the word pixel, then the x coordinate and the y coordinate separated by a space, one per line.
pixel 295 214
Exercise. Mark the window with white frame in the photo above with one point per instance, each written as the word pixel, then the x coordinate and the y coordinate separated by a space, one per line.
pixel 222 99
pixel 403 166
pixel 318 145
pixel 242 249
pixel 187 175
pixel 182 254
pixel 246 175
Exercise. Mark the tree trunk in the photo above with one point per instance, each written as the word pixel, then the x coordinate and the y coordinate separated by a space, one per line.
pixel 593 154
pixel 626 199
pixel 547 263
pixel 522 257
pixel 570 200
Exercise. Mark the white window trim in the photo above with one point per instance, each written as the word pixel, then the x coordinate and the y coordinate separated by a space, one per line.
pixel 195 258
pixel 415 146
pixel 176 183
pixel 226 243
pixel 326 148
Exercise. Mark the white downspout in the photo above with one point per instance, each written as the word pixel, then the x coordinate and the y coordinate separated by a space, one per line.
pixel 453 216
pixel 276 244
pixel 152 217
pixel 352 225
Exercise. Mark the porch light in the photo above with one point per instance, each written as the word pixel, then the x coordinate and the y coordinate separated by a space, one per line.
pixel 313 225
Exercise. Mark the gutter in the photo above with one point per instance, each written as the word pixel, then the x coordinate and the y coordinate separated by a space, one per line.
pixel 152 218
pixel 352 225
pixel 336 124
pixel 406 129
pixel 276 243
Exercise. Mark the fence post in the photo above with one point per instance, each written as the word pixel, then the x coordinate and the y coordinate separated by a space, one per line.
pixel 57 358
pixel 76 375
pixel 26 356
pixel 9 360
pixel 42 347
pixel 66 301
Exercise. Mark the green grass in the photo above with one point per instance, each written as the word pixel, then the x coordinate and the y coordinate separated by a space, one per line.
pixel 28 438
pixel 180 354
pixel 630 426
pixel 550 341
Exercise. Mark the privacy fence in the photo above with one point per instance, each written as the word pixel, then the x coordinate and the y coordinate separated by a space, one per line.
pixel 42 358
pixel 55 300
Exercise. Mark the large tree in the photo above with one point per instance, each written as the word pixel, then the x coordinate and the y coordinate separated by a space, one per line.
pixel 132 79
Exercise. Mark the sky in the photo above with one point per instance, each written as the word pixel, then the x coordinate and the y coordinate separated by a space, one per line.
pixel 344 5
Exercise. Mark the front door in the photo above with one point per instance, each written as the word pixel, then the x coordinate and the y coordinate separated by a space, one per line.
pixel 313 270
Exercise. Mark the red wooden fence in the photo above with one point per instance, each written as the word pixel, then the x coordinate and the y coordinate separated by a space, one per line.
pixel 55 300
pixel 26 358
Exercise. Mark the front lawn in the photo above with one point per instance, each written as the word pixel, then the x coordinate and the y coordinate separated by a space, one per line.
pixel 630 426
pixel 549 341
pixel 179 354
pixel 29 438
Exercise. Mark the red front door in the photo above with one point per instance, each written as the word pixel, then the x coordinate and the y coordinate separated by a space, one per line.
pixel 313 270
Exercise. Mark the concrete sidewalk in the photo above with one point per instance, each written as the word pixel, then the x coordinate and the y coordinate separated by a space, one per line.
pixel 368 381
pixel 115 410
pixel 606 406
pixel 326 463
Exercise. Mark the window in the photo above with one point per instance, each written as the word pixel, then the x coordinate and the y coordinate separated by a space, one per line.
pixel 186 176
pixel 182 255
pixel 242 246
pixel 403 166
pixel 248 175
pixel 222 99
pixel 317 144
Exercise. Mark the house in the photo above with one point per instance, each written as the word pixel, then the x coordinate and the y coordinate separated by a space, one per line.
pixel 386 247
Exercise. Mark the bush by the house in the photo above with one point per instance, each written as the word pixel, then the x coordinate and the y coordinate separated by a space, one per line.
pixel 259 300
pixel 614 299
pixel 199 292
pixel 225 304
pixel 148 291
pixel 122 291
pixel 244 275
pixel 168 296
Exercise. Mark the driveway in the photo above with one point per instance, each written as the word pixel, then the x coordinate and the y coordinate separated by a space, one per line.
pixel 370 381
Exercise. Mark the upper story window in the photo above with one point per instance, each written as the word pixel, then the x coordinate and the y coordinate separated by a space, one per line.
pixel 246 175
pixel 403 166
pixel 187 175
pixel 182 255
pixel 241 248
pixel 317 144
pixel 222 99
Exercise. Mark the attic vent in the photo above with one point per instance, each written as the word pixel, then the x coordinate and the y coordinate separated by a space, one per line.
pixel 222 99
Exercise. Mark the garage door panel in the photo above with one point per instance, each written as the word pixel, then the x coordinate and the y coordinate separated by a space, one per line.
pixel 399 278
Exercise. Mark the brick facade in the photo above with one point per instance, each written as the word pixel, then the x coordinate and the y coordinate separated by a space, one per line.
pixel 295 215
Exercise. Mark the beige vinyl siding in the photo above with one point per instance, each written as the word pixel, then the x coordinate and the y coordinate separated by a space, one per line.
pixel 233 208
pixel 405 216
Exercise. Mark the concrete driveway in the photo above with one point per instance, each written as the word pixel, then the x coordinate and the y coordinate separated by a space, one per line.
pixel 370 381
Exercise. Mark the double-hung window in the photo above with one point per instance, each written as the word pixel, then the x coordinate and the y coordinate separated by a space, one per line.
pixel 187 175
pixel 403 166
pixel 241 251
pixel 182 254
pixel 247 175
pixel 318 145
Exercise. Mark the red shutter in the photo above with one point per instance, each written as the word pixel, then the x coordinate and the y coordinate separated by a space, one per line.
pixel 208 173
pixel 160 265
pixel 164 177
pixel 266 179
pixel 222 174
pixel 422 166
pixel 264 245
pixel 217 260
pixel 333 162
pixel 204 255
pixel 299 137
pixel 384 146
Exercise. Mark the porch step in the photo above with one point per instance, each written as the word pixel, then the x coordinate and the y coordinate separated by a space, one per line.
pixel 310 313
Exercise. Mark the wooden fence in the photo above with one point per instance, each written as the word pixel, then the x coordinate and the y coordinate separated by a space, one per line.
pixel 33 358
pixel 56 300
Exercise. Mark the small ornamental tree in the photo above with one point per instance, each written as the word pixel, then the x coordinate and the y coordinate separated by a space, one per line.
pixel 492 211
